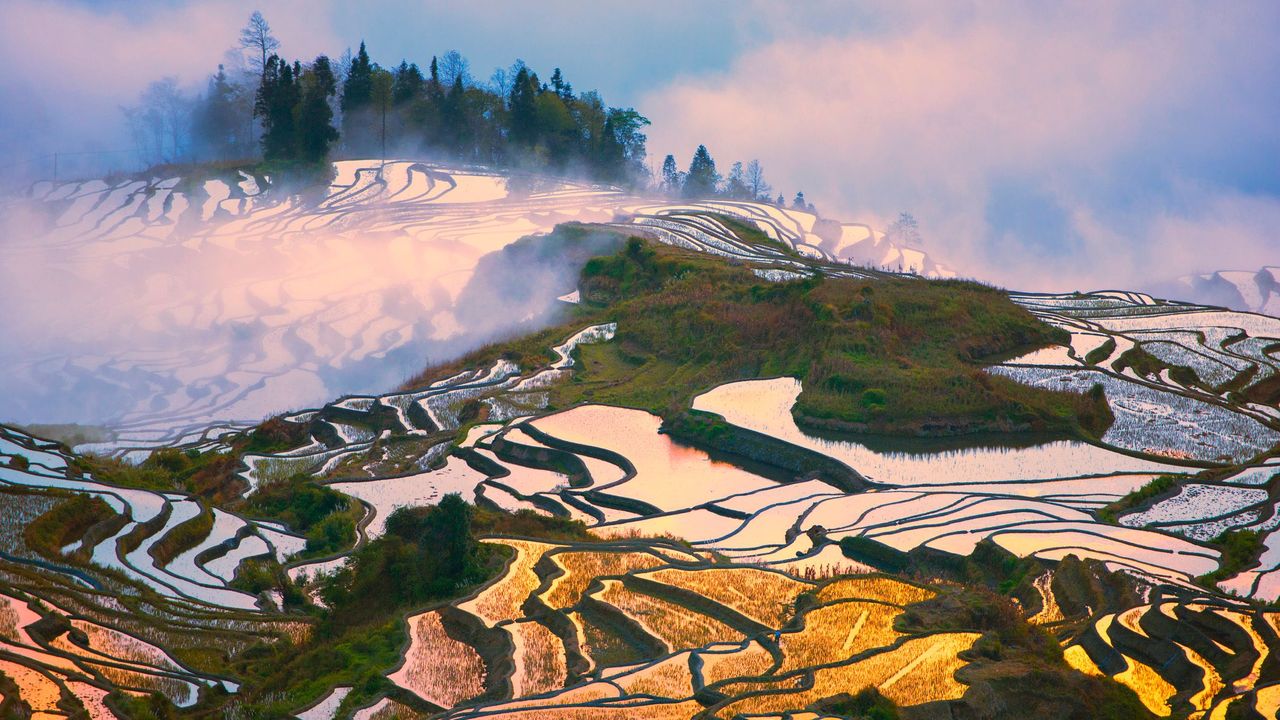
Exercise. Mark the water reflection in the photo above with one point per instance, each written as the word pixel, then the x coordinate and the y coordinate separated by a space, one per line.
pixel 765 406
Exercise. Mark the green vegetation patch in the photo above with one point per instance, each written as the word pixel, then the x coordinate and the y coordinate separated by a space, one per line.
pixel 1156 487
pixel 183 537
pixel 893 355
pixel 1240 551
pixel 66 523
pixel 325 516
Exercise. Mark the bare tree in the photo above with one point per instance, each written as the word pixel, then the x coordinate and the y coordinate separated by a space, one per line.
pixel 453 66
pixel 342 67
pixel 257 37
pixel 160 121
pixel 499 82
pixel 755 181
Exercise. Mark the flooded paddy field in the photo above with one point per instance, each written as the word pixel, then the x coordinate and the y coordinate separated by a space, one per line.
pixel 715 584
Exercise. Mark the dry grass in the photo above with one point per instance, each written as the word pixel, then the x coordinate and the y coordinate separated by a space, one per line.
pixel 34 688
pixel 677 626
pixel 766 597
pixel 1153 690
pixel 438 668
pixel 670 678
pixel 1049 610
pixel 1077 658
pixel 580 568
pixel 121 646
pixel 918 671
pixel 751 661
pixel 837 632
pixel 1268 701
pixel 625 711
pixel 873 588
pixel 93 700
pixel 1212 680
pixel 502 600
pixel 539 659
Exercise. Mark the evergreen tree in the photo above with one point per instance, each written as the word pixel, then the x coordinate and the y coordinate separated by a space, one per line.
pixel 702 178
pixel 453 119
pixel 408 83
pixel 315 129
pixel 524 110
pixel 433 86
pixel 798 203
pixel 358 119
pixel 670 175
pixel 736 185
pixel 563 89
pixel 905 230
pixel 610 163
pixel 276 99
pixel 216 126
pixel 357 90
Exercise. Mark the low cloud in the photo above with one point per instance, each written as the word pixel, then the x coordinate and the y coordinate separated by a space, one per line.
pixel 1084 145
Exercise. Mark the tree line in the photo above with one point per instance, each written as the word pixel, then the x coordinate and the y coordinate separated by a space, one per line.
pixel 296 113
pixel 702 180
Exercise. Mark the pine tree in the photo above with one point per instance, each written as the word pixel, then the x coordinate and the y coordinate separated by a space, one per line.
pixel 215 125
pixel 276 99
pixel 453 119
pixel 798 203
pixel 524 110
pixel 408 83
pixel 702 178
pixel 610 163
pixel 670 175
pixel 357 91
pixel 905 230
pixel 736 185
pixel 315 131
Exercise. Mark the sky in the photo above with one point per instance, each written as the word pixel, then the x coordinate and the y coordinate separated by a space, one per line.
pixel 1051 146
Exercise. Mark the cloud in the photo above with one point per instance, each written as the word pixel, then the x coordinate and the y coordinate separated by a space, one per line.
pixel 1025 138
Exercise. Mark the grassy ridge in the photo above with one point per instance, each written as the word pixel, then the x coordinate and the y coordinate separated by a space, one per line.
pixel 65 523
pixel 893 356
pixel 183 537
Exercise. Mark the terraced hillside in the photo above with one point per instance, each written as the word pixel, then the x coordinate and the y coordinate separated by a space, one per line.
pixel 200 303
pixel 624 556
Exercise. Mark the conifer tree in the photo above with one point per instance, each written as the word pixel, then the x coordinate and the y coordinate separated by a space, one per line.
pixel 315 131
pixel 670 175
pixel 408 83
pixel 215 125
pixel 524 110
pixel 736 185
pixel 357 90
pixel 702 178
pixel 274 107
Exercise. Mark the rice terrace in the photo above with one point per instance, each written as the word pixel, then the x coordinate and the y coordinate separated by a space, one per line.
pixel 345 390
